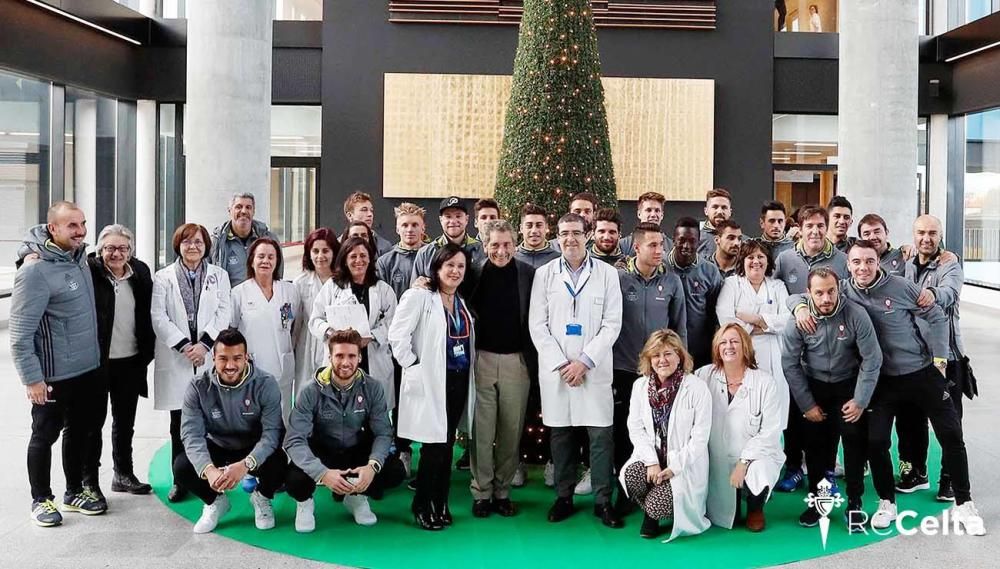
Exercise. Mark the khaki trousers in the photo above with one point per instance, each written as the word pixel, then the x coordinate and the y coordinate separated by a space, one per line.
pixel 501 399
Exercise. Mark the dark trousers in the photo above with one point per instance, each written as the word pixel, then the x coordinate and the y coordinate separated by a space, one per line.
pixel 621 390
pixel 823 438
pixel 402 445
pixel 434 468
pixel 794 437
pixel 566 457
pixel 911 425
pixel 535 436
pixel 927 390
pixel 70 411
pixel 779 5
pixel 176 443
pixel 301 487
pixel 270 475
pixel 122 380
pixel 755 502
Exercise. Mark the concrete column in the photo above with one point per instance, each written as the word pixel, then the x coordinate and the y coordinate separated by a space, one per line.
pixel 878 110
pixel 228 119
pixel 938 137
pixel 145 181
pixel 85 163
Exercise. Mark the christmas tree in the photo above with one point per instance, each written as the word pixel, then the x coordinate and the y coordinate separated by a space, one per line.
pixel 556 131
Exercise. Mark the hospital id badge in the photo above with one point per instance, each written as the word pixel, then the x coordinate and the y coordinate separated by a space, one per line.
pixel 458 350
pixel 574 330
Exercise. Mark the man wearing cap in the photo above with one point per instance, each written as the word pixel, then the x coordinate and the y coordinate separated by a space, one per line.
pixel 454 221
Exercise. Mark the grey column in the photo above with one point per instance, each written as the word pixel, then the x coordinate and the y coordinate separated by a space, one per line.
pixel 878 110
pixel 228 117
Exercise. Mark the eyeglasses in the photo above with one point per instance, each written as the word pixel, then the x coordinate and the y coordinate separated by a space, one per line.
pixel 190 243
pixel 576 234
pixel 111 249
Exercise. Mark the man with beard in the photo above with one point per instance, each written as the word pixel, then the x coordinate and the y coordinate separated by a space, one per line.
pixel 772 228
pixel 535 249
pixel 872 228
pixel 702 282
pixel 485 210
pixel 718 208
pixel 841 214
pixel 232 240
pixel 728 238
pixel 454 221
pixel 585 205
pixel 649 209
pixel 396 266
pixel 358 208
pixel 607 230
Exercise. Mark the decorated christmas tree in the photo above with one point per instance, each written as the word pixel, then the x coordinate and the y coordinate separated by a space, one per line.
pixel 556 131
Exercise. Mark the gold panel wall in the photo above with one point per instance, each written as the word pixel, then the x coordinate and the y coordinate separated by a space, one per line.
pixel 442 135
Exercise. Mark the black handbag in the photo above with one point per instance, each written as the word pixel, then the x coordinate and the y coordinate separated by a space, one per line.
pixel 970 387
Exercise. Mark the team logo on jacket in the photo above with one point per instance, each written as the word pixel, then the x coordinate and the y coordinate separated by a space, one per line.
pixel 842 332
pixel 216 413
pixel 73 285
pixel 361 399
pixel 793 278
pixel 888 306
pixel 631 295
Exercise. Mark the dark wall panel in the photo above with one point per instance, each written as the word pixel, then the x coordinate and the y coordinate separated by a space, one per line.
pixel 806 86
pixel 360 45
pixel 976 82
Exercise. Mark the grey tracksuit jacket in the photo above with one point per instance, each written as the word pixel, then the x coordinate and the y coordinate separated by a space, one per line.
pixel 945 281
pixel 777 247
pixel 892 262
pixel 647 306
pixel 382 245
pixel 53 322
pixel 628 244
pixel 230 252
pixel 425 256
pixel 702 283
pixel 338 418
pixel 232 417
pixel 844 347
pixel 792 267
pixel 536 258
pixel 396 268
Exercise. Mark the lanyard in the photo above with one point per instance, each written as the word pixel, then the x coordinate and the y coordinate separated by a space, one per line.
pixel 456 319
pixel 574 293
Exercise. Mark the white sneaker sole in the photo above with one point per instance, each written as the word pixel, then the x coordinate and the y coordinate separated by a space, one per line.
pixel 924 486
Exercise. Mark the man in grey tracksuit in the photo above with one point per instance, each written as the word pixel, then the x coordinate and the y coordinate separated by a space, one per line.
pixel 792 267
pixel 231 426
pixel 396 268
pixel 454 220
pixel 832 374
pixel 702 282
pixel 872 228
pixel 231 241
pixel 53 342
pixel 536 257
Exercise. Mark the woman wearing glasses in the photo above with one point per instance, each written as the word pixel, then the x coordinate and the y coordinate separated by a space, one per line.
pixel 123 290
pixel 433 340
pixel 190 306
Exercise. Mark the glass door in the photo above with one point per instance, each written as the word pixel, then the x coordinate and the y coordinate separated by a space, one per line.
pixel 294 185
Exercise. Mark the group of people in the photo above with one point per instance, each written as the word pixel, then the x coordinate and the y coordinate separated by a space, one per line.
pixel 704 368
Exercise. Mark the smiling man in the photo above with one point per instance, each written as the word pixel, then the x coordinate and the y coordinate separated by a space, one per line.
pixel 535 248
pixel 396 266
pixel 841 216
pixel 454 218
pixel 772 228
pixel 728 238
pixel 872 228
pixel 718 208
pixel 650 208
pixel 232 240
pixel 702 283
pixel 607 231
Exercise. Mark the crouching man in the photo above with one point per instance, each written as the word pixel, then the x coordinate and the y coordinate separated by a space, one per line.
pixel 231 426
pixel 339 436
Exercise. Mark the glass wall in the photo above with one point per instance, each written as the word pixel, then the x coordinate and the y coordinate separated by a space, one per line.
pixel 169 180
pixel 806 16
pixel 24 163
pixel 295 151
pixel 283 9
pixel 982 199
pixel 89 159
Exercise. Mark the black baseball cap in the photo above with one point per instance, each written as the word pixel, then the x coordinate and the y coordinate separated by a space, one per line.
pixel 453 202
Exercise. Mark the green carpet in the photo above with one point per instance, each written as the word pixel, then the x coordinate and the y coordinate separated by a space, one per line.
pixel 528 540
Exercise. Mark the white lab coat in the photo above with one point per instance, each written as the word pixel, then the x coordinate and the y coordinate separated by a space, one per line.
pixel 418 336
pixel 171 370
pixel 599 312
pixel 738 295
pixel 750 428
pixel 311 352
pixel 688 431
pixel 269 326
pixel 381 308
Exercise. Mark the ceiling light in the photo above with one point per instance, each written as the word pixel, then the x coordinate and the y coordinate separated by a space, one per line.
pixel 81 21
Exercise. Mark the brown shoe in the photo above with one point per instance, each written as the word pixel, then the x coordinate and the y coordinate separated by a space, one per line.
pixel 755 521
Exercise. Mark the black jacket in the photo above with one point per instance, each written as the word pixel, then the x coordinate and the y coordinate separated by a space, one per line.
pixel 525 277
pixel 104 299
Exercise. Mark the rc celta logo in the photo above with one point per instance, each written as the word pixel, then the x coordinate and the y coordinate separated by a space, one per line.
pixel 824 502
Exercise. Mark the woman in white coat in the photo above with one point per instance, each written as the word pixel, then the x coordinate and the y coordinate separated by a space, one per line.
pixel 320 250
pixel 190 306
pixel 433 339
pixel 745 446
pixel 267 312
pixel 755 301
pixel 354 283
pixel 669 419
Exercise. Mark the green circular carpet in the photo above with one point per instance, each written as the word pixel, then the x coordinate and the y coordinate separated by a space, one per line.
pixel 528 539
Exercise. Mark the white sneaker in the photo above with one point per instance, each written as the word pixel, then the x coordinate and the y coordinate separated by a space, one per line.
pixel 968 517
pixel 885 515
pixel 584 487
pixel 550 474
pixel 358 506
pixel 838 469
pixel 211 514
pixel 520 476
pixel 305 521
pixel 263 513
pixel 406 458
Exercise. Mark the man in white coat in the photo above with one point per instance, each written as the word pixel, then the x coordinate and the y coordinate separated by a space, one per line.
pixel 574 320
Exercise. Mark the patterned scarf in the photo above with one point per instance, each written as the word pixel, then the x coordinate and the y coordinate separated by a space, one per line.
pixel 190 283
pixel 661 400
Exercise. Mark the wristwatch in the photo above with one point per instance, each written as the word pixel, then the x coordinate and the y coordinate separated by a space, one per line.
pixel 746 461
pixel 250 463
pixel 376 467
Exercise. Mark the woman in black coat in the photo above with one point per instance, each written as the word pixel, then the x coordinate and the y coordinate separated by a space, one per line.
pixel 123 289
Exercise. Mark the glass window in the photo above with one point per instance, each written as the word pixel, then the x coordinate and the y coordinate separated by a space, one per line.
pixel 90 175
pixel 806 16
pixel 295 130
pixel 295 151
pixel 982 199
pixel 169 182
pixel 804 154
pixel 171 8
pixel 24 163
pixel 298 9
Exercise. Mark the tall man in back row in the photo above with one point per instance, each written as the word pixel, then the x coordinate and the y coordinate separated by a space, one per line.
pixel 232 240
pixel 702 282
pixel 718 208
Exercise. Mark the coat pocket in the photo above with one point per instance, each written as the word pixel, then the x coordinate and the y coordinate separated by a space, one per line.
pixel 413 382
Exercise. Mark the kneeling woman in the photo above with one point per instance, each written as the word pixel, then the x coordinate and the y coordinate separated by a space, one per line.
pixel 432 339
pixel 669 420
pixel 745 446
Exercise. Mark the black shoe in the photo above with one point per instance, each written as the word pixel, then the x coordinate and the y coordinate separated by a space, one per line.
pixel 464 461
pixel 412 485
pixel 857 523
pixel 945 492
pixel 176 494
pixel 910 481
pixel 504 507
pixel 561 509
pixel 481 508
pixel 608 515
pixel 444 516
pixel 650 527
pixel 624 506
pixel 129 484
pixel 426 520
pixel 95 491
pixel 809 518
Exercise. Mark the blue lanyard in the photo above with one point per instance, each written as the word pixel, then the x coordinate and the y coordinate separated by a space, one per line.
pixel 578 291
pixel 456 317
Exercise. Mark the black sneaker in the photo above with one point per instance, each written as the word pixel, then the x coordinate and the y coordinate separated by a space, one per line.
pixel 910 481
pixel 84 502
pixel 412 485
pixel 176 494
pixel 855 517
pixel 561 509
pixel 95 490
pixel 809 518
pixel 945 492
pixel 481 508
pixel 45 513
pixel 464 461
pixel 129 484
